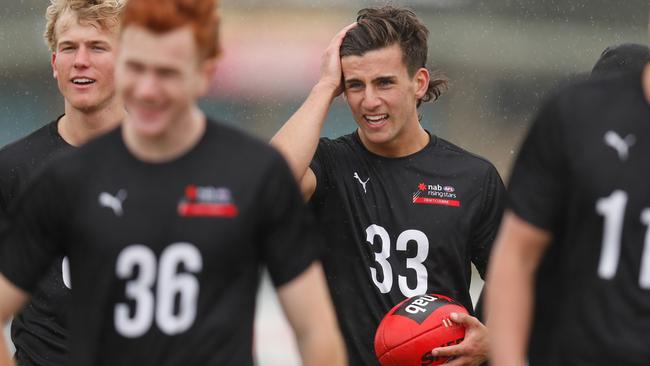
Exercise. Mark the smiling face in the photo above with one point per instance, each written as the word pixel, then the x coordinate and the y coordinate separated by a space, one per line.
pixel 160 76
pixel 83 63
pixel 383 100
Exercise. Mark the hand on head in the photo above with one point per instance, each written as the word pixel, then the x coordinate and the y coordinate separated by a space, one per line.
pixel 330 70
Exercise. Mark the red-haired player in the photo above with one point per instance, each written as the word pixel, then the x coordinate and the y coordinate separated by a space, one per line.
pixel 168 219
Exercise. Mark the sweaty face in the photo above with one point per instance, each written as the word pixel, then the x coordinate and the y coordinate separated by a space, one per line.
pixel 83 63
pixel 383 99
pixel 159 77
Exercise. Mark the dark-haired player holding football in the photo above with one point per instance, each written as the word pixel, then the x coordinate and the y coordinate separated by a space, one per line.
pixel 569 284
pixel 404 211
pixel 168 219
pixel 82 36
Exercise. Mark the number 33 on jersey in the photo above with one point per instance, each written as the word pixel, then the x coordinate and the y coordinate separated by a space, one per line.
pixel 377 236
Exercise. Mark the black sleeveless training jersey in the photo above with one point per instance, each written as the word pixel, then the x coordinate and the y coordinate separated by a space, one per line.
pixel 583 174
pixel 39 331
pixel 400 227
pixel 165 258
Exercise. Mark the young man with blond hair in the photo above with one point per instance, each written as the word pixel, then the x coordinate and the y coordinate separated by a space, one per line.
pixel 82 36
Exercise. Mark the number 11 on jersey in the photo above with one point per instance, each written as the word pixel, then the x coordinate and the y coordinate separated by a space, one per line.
pixel 612 208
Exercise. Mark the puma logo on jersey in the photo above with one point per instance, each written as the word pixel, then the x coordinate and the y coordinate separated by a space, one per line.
pixel 363 184
pixel 621 145
pixel 113 202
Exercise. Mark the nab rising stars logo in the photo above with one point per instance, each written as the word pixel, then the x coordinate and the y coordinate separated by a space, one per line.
pixel 207 202
pixel 436 194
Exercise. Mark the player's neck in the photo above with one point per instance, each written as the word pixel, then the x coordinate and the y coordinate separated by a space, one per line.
pixel 77 127
pixel 645 82
pixel 177 139
pixel 411 140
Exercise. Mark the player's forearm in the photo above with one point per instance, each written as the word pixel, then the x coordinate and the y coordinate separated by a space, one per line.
pixel 12 300
pixel 308 307
pixel 5 357
pixel 509 293
pixel 508 305
pixel 322 348
pixel 518 250
pixel 297 140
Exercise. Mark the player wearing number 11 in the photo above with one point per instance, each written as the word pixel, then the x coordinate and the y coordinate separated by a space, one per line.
pixel 168 219
pixel 570 277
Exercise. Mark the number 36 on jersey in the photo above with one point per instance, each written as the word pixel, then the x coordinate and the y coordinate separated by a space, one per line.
pixel 158 303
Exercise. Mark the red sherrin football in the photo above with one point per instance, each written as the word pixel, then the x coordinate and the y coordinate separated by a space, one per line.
pixel 415 326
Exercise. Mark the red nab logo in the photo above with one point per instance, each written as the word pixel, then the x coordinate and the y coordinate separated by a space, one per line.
pixel 435 194
pixel 207 202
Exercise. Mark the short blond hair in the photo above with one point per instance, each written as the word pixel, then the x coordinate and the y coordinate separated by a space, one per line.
pixel 106 13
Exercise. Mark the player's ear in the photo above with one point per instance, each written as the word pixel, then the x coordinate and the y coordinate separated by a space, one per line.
pixel 53 62
pixel 421 79
pixel 207 70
